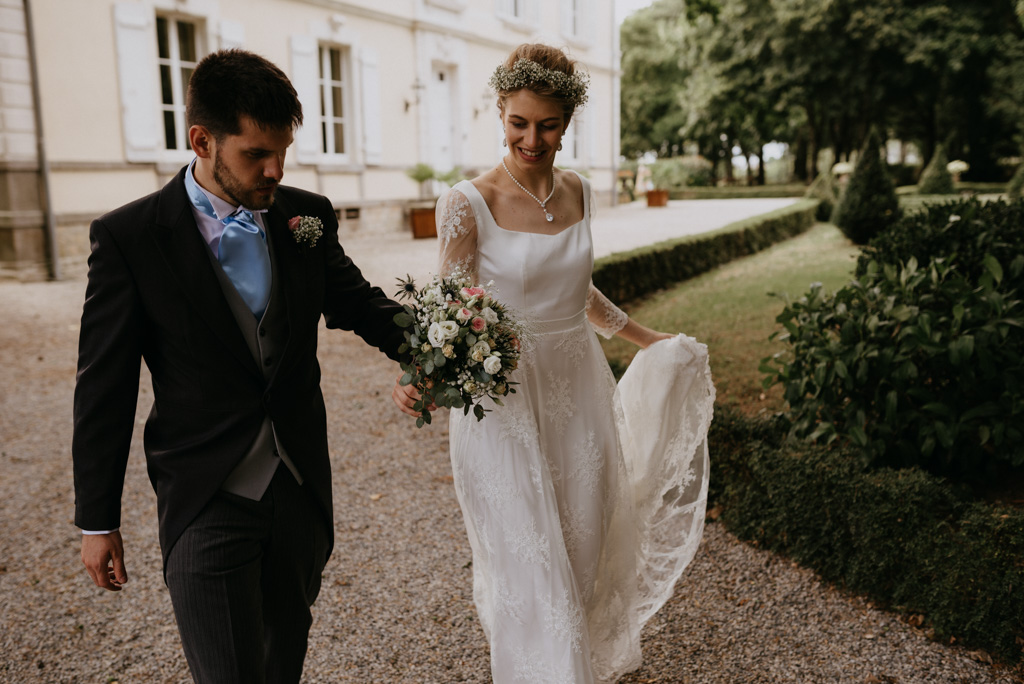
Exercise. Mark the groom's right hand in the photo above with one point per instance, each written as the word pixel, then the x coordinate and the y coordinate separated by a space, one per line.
pixel 103 556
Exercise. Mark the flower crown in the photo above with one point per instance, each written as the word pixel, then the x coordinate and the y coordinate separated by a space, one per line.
pixel 570 87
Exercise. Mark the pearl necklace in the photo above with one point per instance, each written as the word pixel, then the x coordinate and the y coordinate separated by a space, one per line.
pixel 543 205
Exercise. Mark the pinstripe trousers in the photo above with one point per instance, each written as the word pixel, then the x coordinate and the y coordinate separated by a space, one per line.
pixel 242 578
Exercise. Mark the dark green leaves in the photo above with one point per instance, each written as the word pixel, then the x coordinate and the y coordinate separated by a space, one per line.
pixel 920 361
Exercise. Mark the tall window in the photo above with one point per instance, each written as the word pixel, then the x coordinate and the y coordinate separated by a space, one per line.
pixel 178 53
pixel 334 96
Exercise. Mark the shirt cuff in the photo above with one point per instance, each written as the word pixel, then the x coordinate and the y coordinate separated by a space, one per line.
pixel 99 531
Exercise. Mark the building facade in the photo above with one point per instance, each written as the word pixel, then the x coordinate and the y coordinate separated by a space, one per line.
pixel 92 102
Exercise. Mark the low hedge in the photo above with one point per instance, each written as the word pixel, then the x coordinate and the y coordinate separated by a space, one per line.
pixel 739 191
pixel 907 539
pixel 962 188
pixel 629 275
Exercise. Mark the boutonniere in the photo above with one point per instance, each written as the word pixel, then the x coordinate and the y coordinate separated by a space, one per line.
pixel 306 229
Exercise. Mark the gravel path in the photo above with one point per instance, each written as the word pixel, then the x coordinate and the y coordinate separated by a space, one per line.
pixel 396 603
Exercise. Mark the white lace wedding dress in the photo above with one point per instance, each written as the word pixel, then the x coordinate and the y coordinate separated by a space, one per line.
pixel 583 502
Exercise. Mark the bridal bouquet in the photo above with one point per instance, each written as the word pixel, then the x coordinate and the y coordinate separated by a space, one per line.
pixel 463 343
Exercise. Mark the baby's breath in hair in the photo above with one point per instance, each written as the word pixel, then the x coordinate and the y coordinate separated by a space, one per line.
pixel 525 72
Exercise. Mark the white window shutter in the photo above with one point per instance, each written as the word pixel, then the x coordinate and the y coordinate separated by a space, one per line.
pixel 305 79
pixel 533 12
pixel 566 18
pixel 373 135
pixel 135 39
pixel 232 34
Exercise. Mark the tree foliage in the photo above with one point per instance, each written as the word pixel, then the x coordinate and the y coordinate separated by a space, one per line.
pixel 735 74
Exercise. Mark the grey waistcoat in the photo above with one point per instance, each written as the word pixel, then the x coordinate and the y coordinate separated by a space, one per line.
pixel 266 339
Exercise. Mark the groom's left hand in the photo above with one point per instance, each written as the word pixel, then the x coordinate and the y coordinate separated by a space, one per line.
pixel 405 397
pixel 103 556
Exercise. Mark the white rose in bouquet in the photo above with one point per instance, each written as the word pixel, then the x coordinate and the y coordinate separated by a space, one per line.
pixel 480 351
pixel 450 330
pixel 489 315
pixel 492 364
pixel 435 334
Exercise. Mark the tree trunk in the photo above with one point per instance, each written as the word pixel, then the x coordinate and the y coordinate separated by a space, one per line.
pixel 800 158
pixel 760 164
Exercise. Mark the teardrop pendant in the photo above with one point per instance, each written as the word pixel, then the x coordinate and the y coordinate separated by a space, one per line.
pixel 549 217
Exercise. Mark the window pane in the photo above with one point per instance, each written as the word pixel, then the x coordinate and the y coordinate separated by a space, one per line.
pixel 161 38
pixel 165 85
pixel 323 103
pixel 169 138
pixel 337 100
pixel 187 41
pixel 323 128
pixel 321 63
pixel 335 64
pixel 186 75
pixel 339 138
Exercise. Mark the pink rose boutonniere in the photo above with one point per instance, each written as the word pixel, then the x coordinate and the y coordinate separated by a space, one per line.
pixel 306 229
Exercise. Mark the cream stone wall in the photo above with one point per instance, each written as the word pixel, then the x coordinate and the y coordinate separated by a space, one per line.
pixel 98 79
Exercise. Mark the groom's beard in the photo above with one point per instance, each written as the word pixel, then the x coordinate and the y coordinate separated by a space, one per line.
pixel 237 191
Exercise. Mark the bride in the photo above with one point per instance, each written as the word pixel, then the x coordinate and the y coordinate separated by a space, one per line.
pixel 583 502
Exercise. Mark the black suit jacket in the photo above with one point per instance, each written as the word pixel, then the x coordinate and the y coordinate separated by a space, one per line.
pixel 153 294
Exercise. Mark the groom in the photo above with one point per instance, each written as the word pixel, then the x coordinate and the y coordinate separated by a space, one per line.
pixel 211 281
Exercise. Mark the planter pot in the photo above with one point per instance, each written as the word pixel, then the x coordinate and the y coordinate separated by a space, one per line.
pixel 421 220
pixel 657 198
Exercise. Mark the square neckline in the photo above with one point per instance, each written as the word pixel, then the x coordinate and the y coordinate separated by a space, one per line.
pixel 586 211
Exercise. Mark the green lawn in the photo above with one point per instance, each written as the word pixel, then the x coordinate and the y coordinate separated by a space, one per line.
pixel 729 309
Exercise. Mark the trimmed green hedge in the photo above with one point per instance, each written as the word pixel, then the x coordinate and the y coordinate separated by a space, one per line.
pixel 629 275
pixel 905 538
pixel 965 187
pixel 740 191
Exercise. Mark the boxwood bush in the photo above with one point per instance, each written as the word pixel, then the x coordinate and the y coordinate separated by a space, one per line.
pixel 868 205
pixel 936 179
pixel 920 361
pixel 905 538
pixel 628 275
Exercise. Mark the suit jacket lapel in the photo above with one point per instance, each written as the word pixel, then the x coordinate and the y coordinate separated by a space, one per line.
pixel 287 264
pixel 182 245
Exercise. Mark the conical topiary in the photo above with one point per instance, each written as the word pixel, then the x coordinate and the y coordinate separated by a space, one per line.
pixel 1016 184
pixel 868 205
pixel 823 189
pixel 936 179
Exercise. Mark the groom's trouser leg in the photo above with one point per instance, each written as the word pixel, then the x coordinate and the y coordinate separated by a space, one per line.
pixel 289 588
pixel 242 578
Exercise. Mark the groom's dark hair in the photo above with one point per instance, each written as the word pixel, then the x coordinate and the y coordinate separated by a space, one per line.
pixel 229 84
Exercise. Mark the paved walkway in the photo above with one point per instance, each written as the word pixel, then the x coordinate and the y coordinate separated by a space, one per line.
pixel 385 257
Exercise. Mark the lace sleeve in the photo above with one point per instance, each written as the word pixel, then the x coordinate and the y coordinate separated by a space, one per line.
pixel 606 318
pixel 456 227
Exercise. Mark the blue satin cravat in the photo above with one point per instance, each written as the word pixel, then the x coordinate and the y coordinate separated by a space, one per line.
pixel 244 257
pixel 242 252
